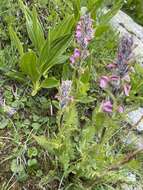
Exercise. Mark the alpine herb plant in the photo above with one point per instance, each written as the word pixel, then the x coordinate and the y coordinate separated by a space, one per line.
pixel 87 155
pixel 47 52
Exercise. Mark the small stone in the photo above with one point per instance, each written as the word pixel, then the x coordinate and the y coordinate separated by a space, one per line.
pixel 136 119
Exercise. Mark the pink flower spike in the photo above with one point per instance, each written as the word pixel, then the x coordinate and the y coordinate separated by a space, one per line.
pixel 104 81
pixel 72 59
pixel 120 109
pixel 114 78
pixel 111 66
pixel 107 106
pixel 127 89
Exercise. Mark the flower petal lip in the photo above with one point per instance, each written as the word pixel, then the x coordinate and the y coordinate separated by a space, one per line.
pixel 107 106
pixel 104 81
pixel 72 59
pixel 127 88
pixel 120 109
pixel 111 66
pixel 114 78
pixel 77 53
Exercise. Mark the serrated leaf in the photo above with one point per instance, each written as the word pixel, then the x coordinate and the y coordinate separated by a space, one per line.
pixel 49 145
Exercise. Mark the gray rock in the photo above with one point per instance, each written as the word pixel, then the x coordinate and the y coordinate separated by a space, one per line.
pixel 131 187
pixel 124 24
pixel 136 119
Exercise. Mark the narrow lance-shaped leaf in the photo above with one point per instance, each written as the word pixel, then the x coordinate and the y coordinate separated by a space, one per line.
pixel 63 28
pixel 16 40
pixel 34 27
pixel 110 13
pixel 57 48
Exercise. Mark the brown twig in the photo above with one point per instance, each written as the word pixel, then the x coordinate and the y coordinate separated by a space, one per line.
pixel 137 123
pixel 127 159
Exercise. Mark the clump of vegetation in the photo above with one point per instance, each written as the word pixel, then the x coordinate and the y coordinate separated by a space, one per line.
pixel 134 9
pixel 65 91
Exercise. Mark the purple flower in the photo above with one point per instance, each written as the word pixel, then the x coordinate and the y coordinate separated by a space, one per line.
pixel 127 88
pixel 124 55
pixel 72 59
pixel 104 81
pixel 76 53
pixel 111 66
pixel 84 31
pixel 107 106
pixel 114 78
pixel 78 34
pixel 64 93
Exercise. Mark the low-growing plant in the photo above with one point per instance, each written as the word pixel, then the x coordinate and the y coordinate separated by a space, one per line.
pixel 83 127
pixel 88 155
pixel 48 52
pixel 133 8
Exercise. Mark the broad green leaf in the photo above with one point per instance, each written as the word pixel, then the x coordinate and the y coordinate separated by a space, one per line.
pixel 34 27
pixel 16 75
pixel 85 99
pixel 58 60
pixel 93 7
pixel 60 31
pixel 50 83
pixel 16 40
pixel 32 162
pixel 32 152
pixel 28 66
pixel 54 57
pixel 63 28
pixel 4 123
